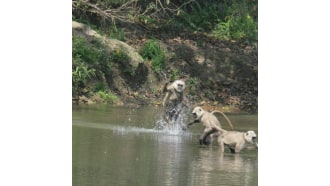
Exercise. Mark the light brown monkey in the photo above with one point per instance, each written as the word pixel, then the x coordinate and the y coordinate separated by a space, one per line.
pixel 173 101
pixel 234 140
pixel 209 121
pixel 174 92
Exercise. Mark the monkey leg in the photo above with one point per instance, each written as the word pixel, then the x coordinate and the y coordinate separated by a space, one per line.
pixel 232 150
pixel 172 113
pixel 221 146
pixel 176 111
pixel 176 114
pixel 207 140
pixel 202 138
pixel 169 115
pixel 239 147
pixel 207 137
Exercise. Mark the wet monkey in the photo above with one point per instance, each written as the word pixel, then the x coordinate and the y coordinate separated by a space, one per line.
pixel 234 140
pixel 209 121
pixel 173 101
pixel 174 92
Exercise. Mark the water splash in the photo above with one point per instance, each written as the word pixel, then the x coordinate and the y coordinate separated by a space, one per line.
pixel 123 130
pixel 176 128
pixel 129 129
pixel 158 126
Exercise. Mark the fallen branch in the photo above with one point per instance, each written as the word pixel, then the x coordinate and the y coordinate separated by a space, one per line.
pixel 120 13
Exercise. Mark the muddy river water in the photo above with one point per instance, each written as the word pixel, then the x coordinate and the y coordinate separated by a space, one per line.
pixel 125 146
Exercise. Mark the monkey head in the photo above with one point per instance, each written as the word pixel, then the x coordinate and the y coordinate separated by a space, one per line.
pixel 179 85
pixel 250 136
pixel 197 113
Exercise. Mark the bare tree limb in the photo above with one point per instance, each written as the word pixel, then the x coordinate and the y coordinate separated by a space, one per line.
pixel 129 11
pixel 113 14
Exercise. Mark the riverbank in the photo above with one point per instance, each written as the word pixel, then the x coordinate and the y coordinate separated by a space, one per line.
pixel 218 75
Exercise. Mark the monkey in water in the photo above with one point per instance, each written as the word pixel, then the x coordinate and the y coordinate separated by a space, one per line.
pixel 209 121
pixel 234 140
pixel 173 101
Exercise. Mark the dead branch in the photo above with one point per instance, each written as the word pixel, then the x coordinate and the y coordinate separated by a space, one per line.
pixel 129 8
pixel 119 13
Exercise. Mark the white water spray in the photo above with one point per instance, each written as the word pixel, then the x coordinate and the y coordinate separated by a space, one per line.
pixel 176 128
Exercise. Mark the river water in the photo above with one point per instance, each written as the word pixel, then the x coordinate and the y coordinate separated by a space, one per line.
pixel 125 146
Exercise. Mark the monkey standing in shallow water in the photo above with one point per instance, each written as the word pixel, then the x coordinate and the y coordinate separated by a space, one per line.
pixel 234 140
pixel 210 122
pixel 173 101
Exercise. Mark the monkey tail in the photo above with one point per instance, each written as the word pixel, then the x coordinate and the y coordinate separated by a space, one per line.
pixel 165 86
pixel 223 114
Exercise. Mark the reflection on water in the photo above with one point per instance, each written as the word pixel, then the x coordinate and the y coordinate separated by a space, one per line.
pixel 122 146
pixel 230 169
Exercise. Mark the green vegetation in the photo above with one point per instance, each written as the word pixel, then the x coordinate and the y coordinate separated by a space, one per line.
pixel 120 57
pixel 238 24
pixel 82 68
pixel 226 20
pixel 89 53
pixel 108 97
pixel 188 27
pixel 116 33
pixel 175 74
pixel 152 51
pixel 79 77
pixel 89 61
pixel 193 84
pixel 223 19
pixel 99 86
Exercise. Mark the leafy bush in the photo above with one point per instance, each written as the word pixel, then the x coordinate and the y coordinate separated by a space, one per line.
pixel 92 53
pixel 152 51
pixel 238 24
pixel 224 19
pixel 107 96
pixel 222 30
pixel 201 15
pixel 99 86
pixel 79 76
pixel 87 57
pixel 158 63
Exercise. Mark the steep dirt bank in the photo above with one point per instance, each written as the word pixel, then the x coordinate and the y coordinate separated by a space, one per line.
pixel 218 74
